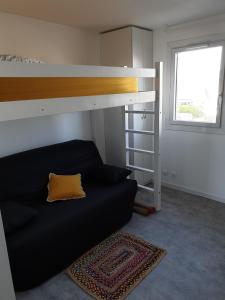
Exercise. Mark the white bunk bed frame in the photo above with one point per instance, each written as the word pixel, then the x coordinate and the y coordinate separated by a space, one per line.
pixel 11 110
pixel 20 109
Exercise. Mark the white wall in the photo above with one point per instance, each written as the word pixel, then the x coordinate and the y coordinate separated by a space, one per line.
pixel 50 43
pixel 197 158
pixel 20 135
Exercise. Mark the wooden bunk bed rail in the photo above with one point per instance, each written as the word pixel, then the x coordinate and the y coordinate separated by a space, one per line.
pixel 9 69
pixel 32 90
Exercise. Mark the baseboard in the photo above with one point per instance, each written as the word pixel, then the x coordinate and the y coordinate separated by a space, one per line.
pixel 191 191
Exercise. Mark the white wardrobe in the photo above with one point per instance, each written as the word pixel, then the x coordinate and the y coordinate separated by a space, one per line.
pixel 132 47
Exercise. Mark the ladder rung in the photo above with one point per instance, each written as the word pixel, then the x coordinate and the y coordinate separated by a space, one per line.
pixel 139 150
pixel 146 188
pixel 140 131
pixel 132 167
pixel 144 112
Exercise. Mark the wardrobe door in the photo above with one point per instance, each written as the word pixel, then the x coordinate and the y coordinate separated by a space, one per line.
pixel 116 50
pixel 131 47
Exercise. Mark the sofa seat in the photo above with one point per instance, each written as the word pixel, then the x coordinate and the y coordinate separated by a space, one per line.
pixel 66 229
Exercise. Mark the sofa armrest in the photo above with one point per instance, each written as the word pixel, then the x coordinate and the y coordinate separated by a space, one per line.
pixel 108 174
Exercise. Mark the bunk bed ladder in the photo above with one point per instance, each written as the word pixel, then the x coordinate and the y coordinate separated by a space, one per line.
pixel 129 140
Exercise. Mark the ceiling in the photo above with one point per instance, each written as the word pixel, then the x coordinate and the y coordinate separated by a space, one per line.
pixel 106 14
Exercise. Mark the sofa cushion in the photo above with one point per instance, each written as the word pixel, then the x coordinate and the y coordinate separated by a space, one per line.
pixel 16 215
pixel 64 187
pixel 110 174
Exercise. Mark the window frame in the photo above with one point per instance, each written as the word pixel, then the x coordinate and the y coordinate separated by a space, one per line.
pixel 173 81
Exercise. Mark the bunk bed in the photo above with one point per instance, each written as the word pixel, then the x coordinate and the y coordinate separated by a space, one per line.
pixel 31 90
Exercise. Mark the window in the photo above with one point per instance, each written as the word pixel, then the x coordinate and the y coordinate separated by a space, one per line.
pixel 197 85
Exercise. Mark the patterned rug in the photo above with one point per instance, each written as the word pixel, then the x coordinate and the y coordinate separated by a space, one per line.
pixel 112 269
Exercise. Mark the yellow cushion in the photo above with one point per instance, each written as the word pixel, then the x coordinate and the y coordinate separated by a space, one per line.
pixel 64 187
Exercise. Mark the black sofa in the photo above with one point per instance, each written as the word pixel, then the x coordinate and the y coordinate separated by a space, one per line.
pixel 63 230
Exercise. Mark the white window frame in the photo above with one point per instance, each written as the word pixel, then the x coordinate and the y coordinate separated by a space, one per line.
pixel 189 125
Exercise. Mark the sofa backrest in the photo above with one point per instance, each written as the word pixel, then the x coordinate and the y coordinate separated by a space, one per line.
pixel 24 176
